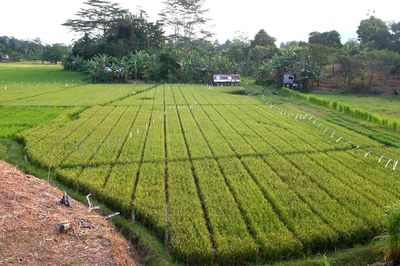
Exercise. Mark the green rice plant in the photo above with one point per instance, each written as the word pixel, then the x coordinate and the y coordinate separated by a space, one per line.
pixel 369 169
pixel 148 198
pixel 16 119
pixel 220 177
pixel 226 222
pixel 342 229
pixel 96 141
pixel 349 198
pixel 291 208
pixel 274 246
pixel 59 148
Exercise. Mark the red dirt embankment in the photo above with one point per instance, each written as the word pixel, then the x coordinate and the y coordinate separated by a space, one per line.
pixel 30 215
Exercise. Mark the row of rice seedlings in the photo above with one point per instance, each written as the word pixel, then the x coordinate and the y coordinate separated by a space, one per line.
pixel 190 238
pixel 317 198
pixel 148 198
pixel 122 178
pixel 367 168
pixel 54 152
pixel 274 239
pixel 293 211
pixel 61 127
pixel 232 239
pixel 94 141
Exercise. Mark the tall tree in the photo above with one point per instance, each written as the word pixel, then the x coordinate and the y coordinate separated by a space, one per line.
pixel 95 19
pixel 395 37
pixel 54 53
pixel 106 28
pixel 374 31
pixel 350 59
pixel 185 21
pixel 132 34
pixel 263 39
pixel 239 52
pixel 328 38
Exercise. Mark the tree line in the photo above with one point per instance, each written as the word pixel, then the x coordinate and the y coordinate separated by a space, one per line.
pixel 118 46
pixel 356 65
pixel 34 50
pixel 115 45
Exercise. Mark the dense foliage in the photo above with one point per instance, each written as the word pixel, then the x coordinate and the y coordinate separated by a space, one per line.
pixel 121 46
pixel 392 238
pixel 31 50
pixel 191 66
pixel 329 38
pixel 115 45
pixel 289 61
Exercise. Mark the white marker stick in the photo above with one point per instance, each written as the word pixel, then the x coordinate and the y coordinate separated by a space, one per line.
pixel 395 165
pixel 333 134
pixel 380 159
pixel 112 215
pixel 88 200
pixel 339 139
pixel 388 162
pixel 366 155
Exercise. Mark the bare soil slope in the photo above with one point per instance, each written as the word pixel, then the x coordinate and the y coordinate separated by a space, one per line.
pixel 30 214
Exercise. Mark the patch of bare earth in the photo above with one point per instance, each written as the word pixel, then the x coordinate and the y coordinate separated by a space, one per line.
pixel 30 215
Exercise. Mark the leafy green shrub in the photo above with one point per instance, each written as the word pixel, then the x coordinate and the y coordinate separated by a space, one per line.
pixel 392 249
pixel 74 63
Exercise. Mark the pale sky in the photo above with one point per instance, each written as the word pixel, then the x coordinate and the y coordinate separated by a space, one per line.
pixel 285 20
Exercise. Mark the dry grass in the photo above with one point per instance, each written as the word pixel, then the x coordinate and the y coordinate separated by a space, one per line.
pixel 30 214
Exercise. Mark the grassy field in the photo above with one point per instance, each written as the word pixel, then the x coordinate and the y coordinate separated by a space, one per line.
pixel 49 85
pixel 16 119
pixel 37 74
pixel 219 176
pixel 388 106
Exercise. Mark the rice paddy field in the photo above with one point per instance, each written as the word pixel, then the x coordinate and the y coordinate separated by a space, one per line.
pixel 219 176
pixel 388 106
